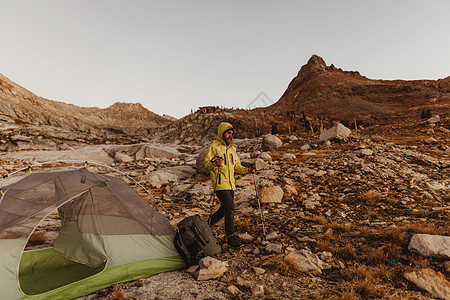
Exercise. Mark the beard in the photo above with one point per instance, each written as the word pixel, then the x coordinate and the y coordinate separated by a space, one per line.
pixel 228 140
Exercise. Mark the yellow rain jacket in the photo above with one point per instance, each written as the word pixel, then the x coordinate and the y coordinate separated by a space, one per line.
pixel 231 162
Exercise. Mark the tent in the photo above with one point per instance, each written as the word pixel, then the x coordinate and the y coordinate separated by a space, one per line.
pixel 109 234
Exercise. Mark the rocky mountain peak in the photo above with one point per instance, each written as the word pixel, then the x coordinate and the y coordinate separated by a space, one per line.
pixel 126 107
pixel 327 91
pixel 315 63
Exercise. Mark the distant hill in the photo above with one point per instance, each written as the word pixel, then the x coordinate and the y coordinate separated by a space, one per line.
pixel 24 107
pixel 327 91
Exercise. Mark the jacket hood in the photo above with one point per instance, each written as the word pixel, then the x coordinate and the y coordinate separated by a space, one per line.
pixel 224 126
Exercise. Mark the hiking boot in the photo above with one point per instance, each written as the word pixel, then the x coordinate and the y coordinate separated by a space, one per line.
pixel 234 241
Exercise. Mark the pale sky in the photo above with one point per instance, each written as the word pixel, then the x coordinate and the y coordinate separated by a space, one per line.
pixel 174 56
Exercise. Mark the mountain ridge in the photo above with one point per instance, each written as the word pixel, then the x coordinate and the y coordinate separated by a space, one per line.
pixel 328 91
pixel 318 92
pixel 24 106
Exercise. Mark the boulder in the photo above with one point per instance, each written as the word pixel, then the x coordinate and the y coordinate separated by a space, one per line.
pixel 306 261
pixel 289 156
pixel 272 194
pixel 163 176
pixel 255 154
pixel 210 268
pixel 265 156
pixel 270 142
pixel 337 132
pixel 431 245
pixel 199 161
pixel 431 281
pixel 161 152
pixel 293 138
pixel 434 119
pixel 122 158
pixel 258 163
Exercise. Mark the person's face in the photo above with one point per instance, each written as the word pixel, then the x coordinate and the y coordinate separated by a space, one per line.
pixel 228 136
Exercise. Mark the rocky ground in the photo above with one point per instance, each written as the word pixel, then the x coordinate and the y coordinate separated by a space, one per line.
pixel 349 208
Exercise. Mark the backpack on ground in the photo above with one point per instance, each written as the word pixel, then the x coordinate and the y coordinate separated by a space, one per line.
pixel 194 240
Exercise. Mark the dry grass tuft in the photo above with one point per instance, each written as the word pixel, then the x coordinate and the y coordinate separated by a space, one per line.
pixel 278 265
pixel 339 227
pixel 358 273
pixel 321 219
pixel 428 228
pixel 325 244
pixel 396 236
pixel 370 197
pixel 384 272
pixel 420 261
pixel 376 256
pixel 347 252
pixel 350 294
pixel 117 293
pixel 367 289
pixel 361 283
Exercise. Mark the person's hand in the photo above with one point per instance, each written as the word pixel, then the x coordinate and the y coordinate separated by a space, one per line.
pixel 252 169
pixel 218 161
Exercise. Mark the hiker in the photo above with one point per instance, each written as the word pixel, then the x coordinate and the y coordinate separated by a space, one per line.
pixel 221 161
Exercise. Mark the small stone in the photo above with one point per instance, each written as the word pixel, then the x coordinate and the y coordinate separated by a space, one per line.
pixel 434 119
pixel 431 281
pixel 259 271
pixel 305 147
pixel 233 290
pixel 258 290
pixel 320 173
pixel 447 266
pixel 192 269
pixel 309 154
pixel 272 236
pixel 289 156
pixel 246 237
pixel 364 152
pixel 210 268
pixel 305 239
pixel 274 248
pixel 430 141
pixel 242 282
pixel 306 261
pixel 272 194
pixel 255 154
pixel 265 156
pixel 430 245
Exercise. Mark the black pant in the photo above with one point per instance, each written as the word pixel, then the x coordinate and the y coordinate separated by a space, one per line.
pixel 226 210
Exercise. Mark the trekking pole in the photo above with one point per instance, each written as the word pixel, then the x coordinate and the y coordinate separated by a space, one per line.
pixel 215 186
pixel 259 205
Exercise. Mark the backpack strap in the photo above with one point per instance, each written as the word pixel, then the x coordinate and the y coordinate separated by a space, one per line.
pixel 178 245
